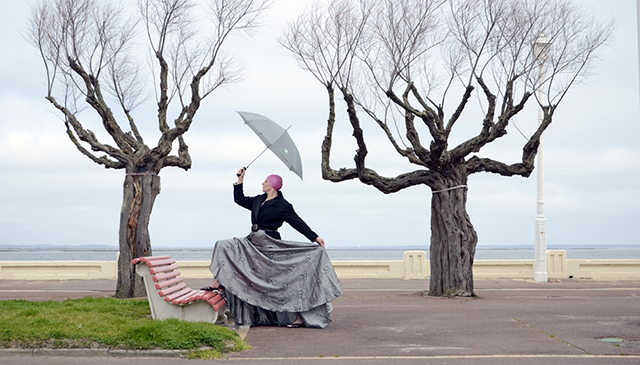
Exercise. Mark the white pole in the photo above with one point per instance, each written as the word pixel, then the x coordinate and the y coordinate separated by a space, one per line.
pixel 540 267
pixel 638 34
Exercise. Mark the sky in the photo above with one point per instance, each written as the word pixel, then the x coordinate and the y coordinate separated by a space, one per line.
pixel 50 194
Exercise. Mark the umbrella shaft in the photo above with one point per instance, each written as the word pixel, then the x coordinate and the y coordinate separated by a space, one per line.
pixel 254 160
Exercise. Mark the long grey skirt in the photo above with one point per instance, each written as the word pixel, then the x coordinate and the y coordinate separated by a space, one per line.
pixel 268 281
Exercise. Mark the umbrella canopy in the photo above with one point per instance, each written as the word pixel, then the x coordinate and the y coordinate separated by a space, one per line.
pixel 276 139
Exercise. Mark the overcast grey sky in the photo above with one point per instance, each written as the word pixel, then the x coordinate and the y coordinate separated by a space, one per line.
pixel 51 194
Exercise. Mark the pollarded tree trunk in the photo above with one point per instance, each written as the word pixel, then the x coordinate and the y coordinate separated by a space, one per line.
pixel 453 239
pixel 140 192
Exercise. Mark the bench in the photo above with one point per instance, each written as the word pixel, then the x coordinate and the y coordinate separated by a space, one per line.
pixel 170 297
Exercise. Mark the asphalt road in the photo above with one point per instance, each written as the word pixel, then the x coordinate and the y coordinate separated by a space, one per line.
pixel 392 322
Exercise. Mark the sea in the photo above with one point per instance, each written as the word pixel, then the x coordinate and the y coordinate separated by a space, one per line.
pixel 200 254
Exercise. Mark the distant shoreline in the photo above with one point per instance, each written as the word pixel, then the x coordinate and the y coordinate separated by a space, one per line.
pixel 341 253
pixel 15 248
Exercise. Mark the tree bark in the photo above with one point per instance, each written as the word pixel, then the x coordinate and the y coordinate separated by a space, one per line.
pixel 140 192
pixel 453 238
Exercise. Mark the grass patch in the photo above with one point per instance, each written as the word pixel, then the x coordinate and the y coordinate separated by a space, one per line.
pixel 107 323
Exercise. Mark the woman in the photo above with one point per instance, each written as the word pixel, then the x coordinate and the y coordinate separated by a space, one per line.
pixel 268 281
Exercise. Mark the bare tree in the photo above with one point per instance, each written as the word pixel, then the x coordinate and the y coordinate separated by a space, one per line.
pixel 399 63
pixel 91 58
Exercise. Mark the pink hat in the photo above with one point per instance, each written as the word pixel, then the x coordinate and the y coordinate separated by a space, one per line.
pixel 275 181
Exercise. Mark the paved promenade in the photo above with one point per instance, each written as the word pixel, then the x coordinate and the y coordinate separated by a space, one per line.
pixel 391 322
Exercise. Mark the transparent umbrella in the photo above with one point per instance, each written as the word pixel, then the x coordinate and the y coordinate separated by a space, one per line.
pixel 276 139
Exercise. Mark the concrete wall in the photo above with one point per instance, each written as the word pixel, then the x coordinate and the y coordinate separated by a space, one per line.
pixel 57 270
pixel 415 265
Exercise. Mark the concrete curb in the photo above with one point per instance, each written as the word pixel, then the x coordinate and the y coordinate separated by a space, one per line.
pixel 122 354
pixel 85 353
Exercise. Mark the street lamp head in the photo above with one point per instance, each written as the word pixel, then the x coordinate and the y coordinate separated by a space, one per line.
pixel 541 48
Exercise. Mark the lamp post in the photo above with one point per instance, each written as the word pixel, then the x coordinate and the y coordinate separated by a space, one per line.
pixel 541 50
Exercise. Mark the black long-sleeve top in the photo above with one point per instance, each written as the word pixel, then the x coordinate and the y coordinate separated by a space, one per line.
pixel 272 213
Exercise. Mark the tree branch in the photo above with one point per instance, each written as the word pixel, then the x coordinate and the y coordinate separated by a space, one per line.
pixel 103 160
pixel 529 151
pixel 392 185
pixel 90 138
pixel 456 115
pixel 490 130
pixel 95 99
pixel 183 160
pixel 369 176
pixel 327 172
pixel 476 164
pixel 409 153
